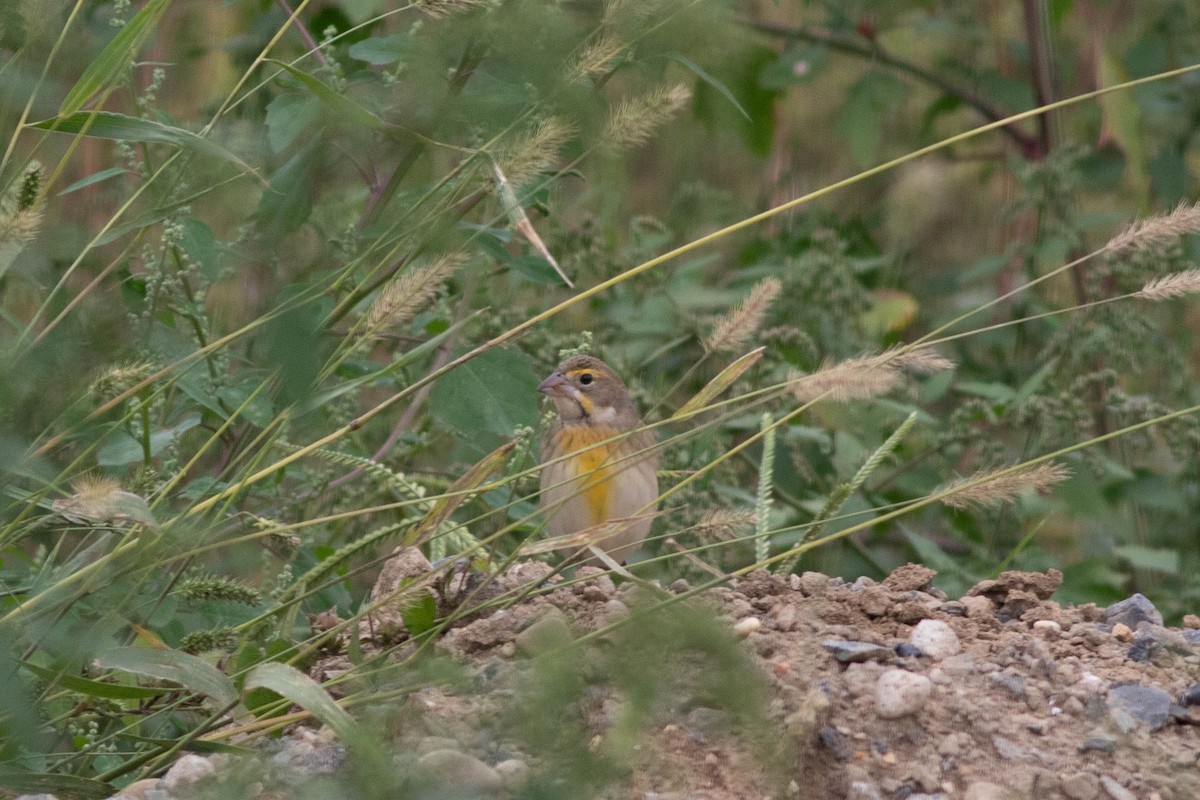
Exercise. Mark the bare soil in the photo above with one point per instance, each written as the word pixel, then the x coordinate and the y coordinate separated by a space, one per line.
pixel 736 692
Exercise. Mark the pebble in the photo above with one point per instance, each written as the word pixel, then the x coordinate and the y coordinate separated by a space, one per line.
pixel 547 633
pixel 1122 632
pixel 856 652
pixel 1133 610
pixel 1191 621
pixel 978 606
pixel 982 790
pixel 186 773
pixel 813 583
pixel 134 791
pixel 1080 785
pixel 1115 790
pixel 907 650
pixel 935 639
pixel 747 626
pixel 513 773
pixel 1190 696
pixel 1146 704
pixel 899 693
pixel 458 771
pixel 863 790
pixel 1048 627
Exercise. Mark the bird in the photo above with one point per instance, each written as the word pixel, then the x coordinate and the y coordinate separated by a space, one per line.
pixel 610 468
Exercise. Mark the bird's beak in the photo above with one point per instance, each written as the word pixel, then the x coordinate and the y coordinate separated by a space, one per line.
pixel 556 386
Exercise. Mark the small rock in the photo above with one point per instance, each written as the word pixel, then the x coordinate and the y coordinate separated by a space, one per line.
pixel 1048 627
pixel 1098 744
pixel 1146 704
pixel 982 790
pixel 935 639
pixel 513 773
pixel 856 652
pixel 679 586
pixel 978 606
pixel 1191 622
pixel 189 771
pixel 1190 696
pixel 907 650
pixel 812 583
pixel 1122 632
pixel 899 693
pixel 863 790
pixel 785 617
pixel 596 585
pixel 137 790
pixel 1115 790
pixel 1008 749
pixel 1080 785
pixel 1133 610
pixel 550 631
pixel 909 578
pixel 458 771
pixel 953 608
pixel 747 626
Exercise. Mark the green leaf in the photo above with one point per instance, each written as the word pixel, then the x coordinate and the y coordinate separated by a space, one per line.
pixel 380 50
pixel 53 783
pixel 287 202
pixel 494 393
pixel 115 58
pixel 109 691
pixel 288 115
pixel 199 242
pixel 124 128
pixel 186 670
pixel 124 449
pixel 421 615
pixel 1149 558
pixel 342 107
pixel 536 268
pixel 96 177
pixel 719 87
pixel 862 121
pixel 302 690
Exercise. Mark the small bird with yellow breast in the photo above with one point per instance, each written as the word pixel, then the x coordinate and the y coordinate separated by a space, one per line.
pixel 598 462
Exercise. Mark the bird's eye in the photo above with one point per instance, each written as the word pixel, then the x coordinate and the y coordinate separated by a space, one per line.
pixel 585 378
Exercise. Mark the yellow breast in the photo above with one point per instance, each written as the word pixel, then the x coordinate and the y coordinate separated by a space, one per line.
pixel 592 465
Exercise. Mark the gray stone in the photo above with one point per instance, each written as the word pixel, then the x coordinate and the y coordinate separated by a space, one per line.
pixel 856 652
pixel 186 773
pixel 460 772
pixel 549 632
pixel 1115 790
pixel 1146 704
pixel 1133 610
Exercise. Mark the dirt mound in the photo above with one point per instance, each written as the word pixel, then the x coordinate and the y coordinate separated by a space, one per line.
pixel 857 690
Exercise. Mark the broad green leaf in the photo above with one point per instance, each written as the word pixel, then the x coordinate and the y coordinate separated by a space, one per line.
pixel 494 393
pixel 342 107
pixel 287 116
pixel 186 670
pixel 421 615
pixel 1149 558
pixel 287 202
pixel 302 690
pixel 124 449
pixel 861 123
pixel 124 128
pixel 109 691
pixel 380 50
pixel 115 58
pixel 719 384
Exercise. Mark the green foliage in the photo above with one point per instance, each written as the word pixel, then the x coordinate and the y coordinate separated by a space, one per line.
pixel 275 306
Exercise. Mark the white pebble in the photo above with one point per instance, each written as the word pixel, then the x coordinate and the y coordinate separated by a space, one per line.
pixel 747 626
pixel 186 773
pixel 1048 627
pixel 899 693
pixel 935 639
